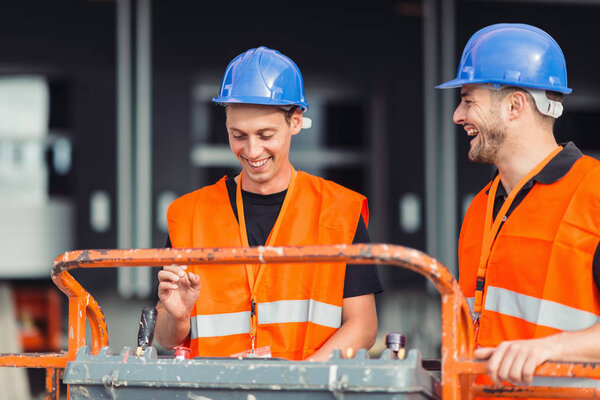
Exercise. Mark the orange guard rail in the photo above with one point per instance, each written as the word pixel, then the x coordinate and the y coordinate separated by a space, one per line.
pixel 458 367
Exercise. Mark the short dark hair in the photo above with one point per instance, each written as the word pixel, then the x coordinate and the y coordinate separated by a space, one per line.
pixel 288 114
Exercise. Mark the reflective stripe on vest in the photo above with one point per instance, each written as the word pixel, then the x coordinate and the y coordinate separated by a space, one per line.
pixel 220 324
pixel 268 313
pixel 538 311
pixel 471 303
pixel 565 382
pixel 300 311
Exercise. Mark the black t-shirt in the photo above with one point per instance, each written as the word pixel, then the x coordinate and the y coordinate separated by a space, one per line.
pixel 261 211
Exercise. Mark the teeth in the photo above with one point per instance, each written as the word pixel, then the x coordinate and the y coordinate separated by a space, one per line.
pixel 472 132
pixel 258 164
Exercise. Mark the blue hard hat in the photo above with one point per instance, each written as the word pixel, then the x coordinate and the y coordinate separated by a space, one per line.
pixel 262 76
pixel 512 55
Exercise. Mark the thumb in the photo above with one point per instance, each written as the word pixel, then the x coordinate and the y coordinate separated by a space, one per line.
pixel 194 280
pixel 484 353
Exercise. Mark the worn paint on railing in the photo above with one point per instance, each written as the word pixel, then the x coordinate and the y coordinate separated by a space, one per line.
pixel 33 360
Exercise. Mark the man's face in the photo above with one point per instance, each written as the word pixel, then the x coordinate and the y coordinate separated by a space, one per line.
pixel 260 138
pixel 479 114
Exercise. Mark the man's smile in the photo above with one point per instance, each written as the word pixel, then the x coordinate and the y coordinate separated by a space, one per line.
pixel 257 163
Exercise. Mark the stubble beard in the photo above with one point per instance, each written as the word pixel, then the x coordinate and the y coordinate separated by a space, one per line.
pixel 491 139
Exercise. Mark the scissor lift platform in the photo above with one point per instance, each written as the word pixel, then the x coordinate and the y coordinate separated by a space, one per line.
pixel 458 368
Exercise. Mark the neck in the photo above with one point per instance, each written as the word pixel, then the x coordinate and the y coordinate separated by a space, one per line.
pixel 274 185
pixel 519 160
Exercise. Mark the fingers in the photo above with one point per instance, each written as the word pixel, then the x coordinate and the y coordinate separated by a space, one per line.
pixel 173 277
pixel 507 362
pixel 495 363
pixel 177 274
pixel 171 273
pixel 528 368
pixel 512 369
pixel 514 361
pixel 166 286
pixel 194 280
pixel 484 353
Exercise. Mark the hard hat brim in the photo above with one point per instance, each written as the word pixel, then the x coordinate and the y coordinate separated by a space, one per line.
pixel 258 100
pixel 456 83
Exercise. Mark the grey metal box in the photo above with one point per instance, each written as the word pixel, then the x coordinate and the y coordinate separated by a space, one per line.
pixel 125 376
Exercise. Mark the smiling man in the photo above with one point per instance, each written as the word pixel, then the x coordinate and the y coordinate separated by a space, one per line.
pixel 295 311
pixel 529 254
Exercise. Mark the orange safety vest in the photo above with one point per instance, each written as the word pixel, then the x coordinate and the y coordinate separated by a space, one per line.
pixel 298 306
pixel 539 278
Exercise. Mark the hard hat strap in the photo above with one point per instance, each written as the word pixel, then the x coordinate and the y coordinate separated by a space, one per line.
pixel 306 123
pixel 546 106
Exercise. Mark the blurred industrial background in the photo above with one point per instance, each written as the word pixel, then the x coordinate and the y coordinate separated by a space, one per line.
pixel 105 118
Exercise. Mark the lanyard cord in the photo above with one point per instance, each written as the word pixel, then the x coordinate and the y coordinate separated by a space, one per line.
pixel 253 281
pixel 490 230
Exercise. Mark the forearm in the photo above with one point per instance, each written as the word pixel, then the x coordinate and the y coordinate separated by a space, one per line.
pixel 170 331
pixel 351 335
pixel 583 345
pixel 358 329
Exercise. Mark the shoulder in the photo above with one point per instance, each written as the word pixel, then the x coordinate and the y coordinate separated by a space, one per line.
pixel 583 209
pixel 587 194
pixel 344 200
pixel 329 188
pixel 186 203
pixel 591 166
pixel 479 202
pixel 589 175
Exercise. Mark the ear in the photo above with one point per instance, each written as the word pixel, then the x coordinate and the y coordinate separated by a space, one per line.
pixel 516 104
pixel 296 121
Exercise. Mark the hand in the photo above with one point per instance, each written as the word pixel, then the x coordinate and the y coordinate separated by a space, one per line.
pixel 178 290
pixel 515 361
